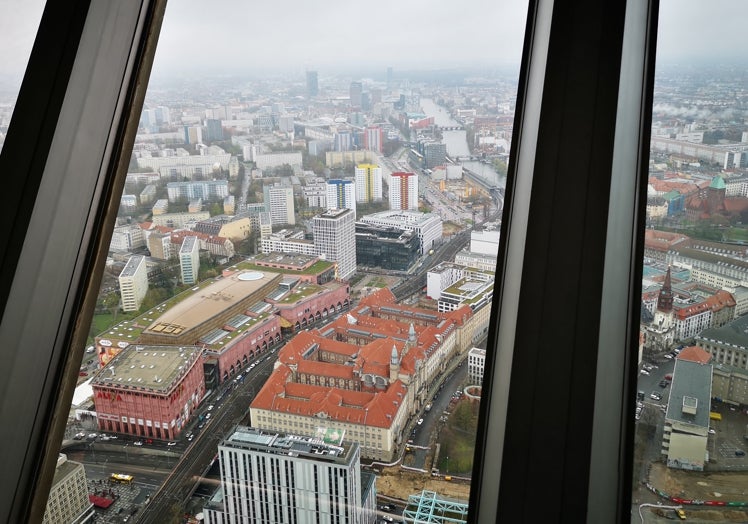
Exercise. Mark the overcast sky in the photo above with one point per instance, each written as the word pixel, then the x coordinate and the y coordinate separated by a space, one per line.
pixel 249 36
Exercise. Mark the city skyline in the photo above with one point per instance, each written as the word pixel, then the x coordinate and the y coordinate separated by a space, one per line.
pixel 337 37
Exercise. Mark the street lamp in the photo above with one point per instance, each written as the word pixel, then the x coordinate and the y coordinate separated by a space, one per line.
pixel 447 463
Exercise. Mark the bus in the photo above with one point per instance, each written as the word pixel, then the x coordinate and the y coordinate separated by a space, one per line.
pixel 120 478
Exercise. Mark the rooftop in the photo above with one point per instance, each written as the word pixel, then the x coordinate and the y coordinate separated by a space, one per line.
pixel 147 367
pixel 690 393
pixel 209 301
pixel 326 445
pixel 132 265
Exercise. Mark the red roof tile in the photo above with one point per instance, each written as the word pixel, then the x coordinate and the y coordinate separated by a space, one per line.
pixel 695 354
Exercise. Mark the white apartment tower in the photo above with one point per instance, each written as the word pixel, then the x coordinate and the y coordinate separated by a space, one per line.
pixel 404 191
pixel 189 260
pixel 341 194
pixel 368 183
pixel 335 239
pixel 269 477
pixel 133 283
pixel 279 203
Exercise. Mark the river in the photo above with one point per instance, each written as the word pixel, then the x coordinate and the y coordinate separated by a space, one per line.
pixel 457 145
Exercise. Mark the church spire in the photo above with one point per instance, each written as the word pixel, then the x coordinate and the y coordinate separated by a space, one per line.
pixel 665 298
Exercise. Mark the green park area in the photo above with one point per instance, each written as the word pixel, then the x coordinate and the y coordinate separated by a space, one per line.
pixel 458 439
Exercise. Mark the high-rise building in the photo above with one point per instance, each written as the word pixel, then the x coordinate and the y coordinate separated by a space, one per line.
pixel 214 129
pixel 68 498
pixel 343 141
pixel 193 134
pixel 312 87
pixel 355 93
pixel 373 138
pixel 341 194
pixel 189 259
pixel 404 191
pixel 279 203
pixel 389 78
pixel 133 283
pixel 335 239
pixel 368 183
pixel 272 477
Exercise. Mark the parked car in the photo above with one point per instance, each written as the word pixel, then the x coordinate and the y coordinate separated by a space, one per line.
pixel 171 443
pixel 138 443
pixel 739 453
pixel 655 396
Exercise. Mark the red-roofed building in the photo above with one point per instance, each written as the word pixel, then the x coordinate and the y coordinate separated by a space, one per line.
pixel 695 354
pixel 364 374
pixel 658 243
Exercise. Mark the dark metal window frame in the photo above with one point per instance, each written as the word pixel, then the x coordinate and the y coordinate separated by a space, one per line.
pixel 559 384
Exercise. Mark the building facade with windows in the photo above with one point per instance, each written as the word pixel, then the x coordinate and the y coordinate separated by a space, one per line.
pixel 341 194
pixel 133 283
pixel 404 191
pixel 189 260
pixel 284 477
pixel 68 499
pixel 368 183
pixel 427 226
pixel 206 190
pixel 476 365
pixel 335 239
pixel 279 203
pixel 149 391
pixel 386 247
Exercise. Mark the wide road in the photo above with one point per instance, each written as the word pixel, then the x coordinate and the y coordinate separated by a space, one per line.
pixel 169 501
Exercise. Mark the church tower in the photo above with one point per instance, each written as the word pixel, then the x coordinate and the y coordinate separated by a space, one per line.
pixel 394 365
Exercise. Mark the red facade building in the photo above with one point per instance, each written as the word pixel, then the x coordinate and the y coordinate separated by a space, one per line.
pixel 149 391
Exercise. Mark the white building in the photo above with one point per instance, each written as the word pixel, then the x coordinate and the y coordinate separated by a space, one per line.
pixel 133 283
pixel 476 260
pixel 156 163
pixel 127 238
pixel 270 477
pixel 286 241
pixel 270 160
pixel 189 260
pixel 341 194
pixel 368 183
pixel 404 191
pixel 205 190
pixel 68 498
pixel 441 277
pixel 335 239
pixel 427 226
pixel 485 241
pixel 476 365
pixel 315 193
pixel 280 204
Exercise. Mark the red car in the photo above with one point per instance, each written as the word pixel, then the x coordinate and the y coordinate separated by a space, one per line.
pixel 83 373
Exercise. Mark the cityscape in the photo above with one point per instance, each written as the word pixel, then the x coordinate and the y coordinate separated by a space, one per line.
pixel 293 317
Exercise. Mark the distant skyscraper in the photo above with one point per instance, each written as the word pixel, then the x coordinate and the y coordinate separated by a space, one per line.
pixel 341 194
pixel 312 87
pixel 404 191
pixel 271 477
pixel 355 92
pixel 279 203
pixel 335 239
pixel 389 78
pixel 373 138
pixel 368 183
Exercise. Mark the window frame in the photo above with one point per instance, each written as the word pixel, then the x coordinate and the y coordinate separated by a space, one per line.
pixel 86 67
pixel 570 270
pixel 77 111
